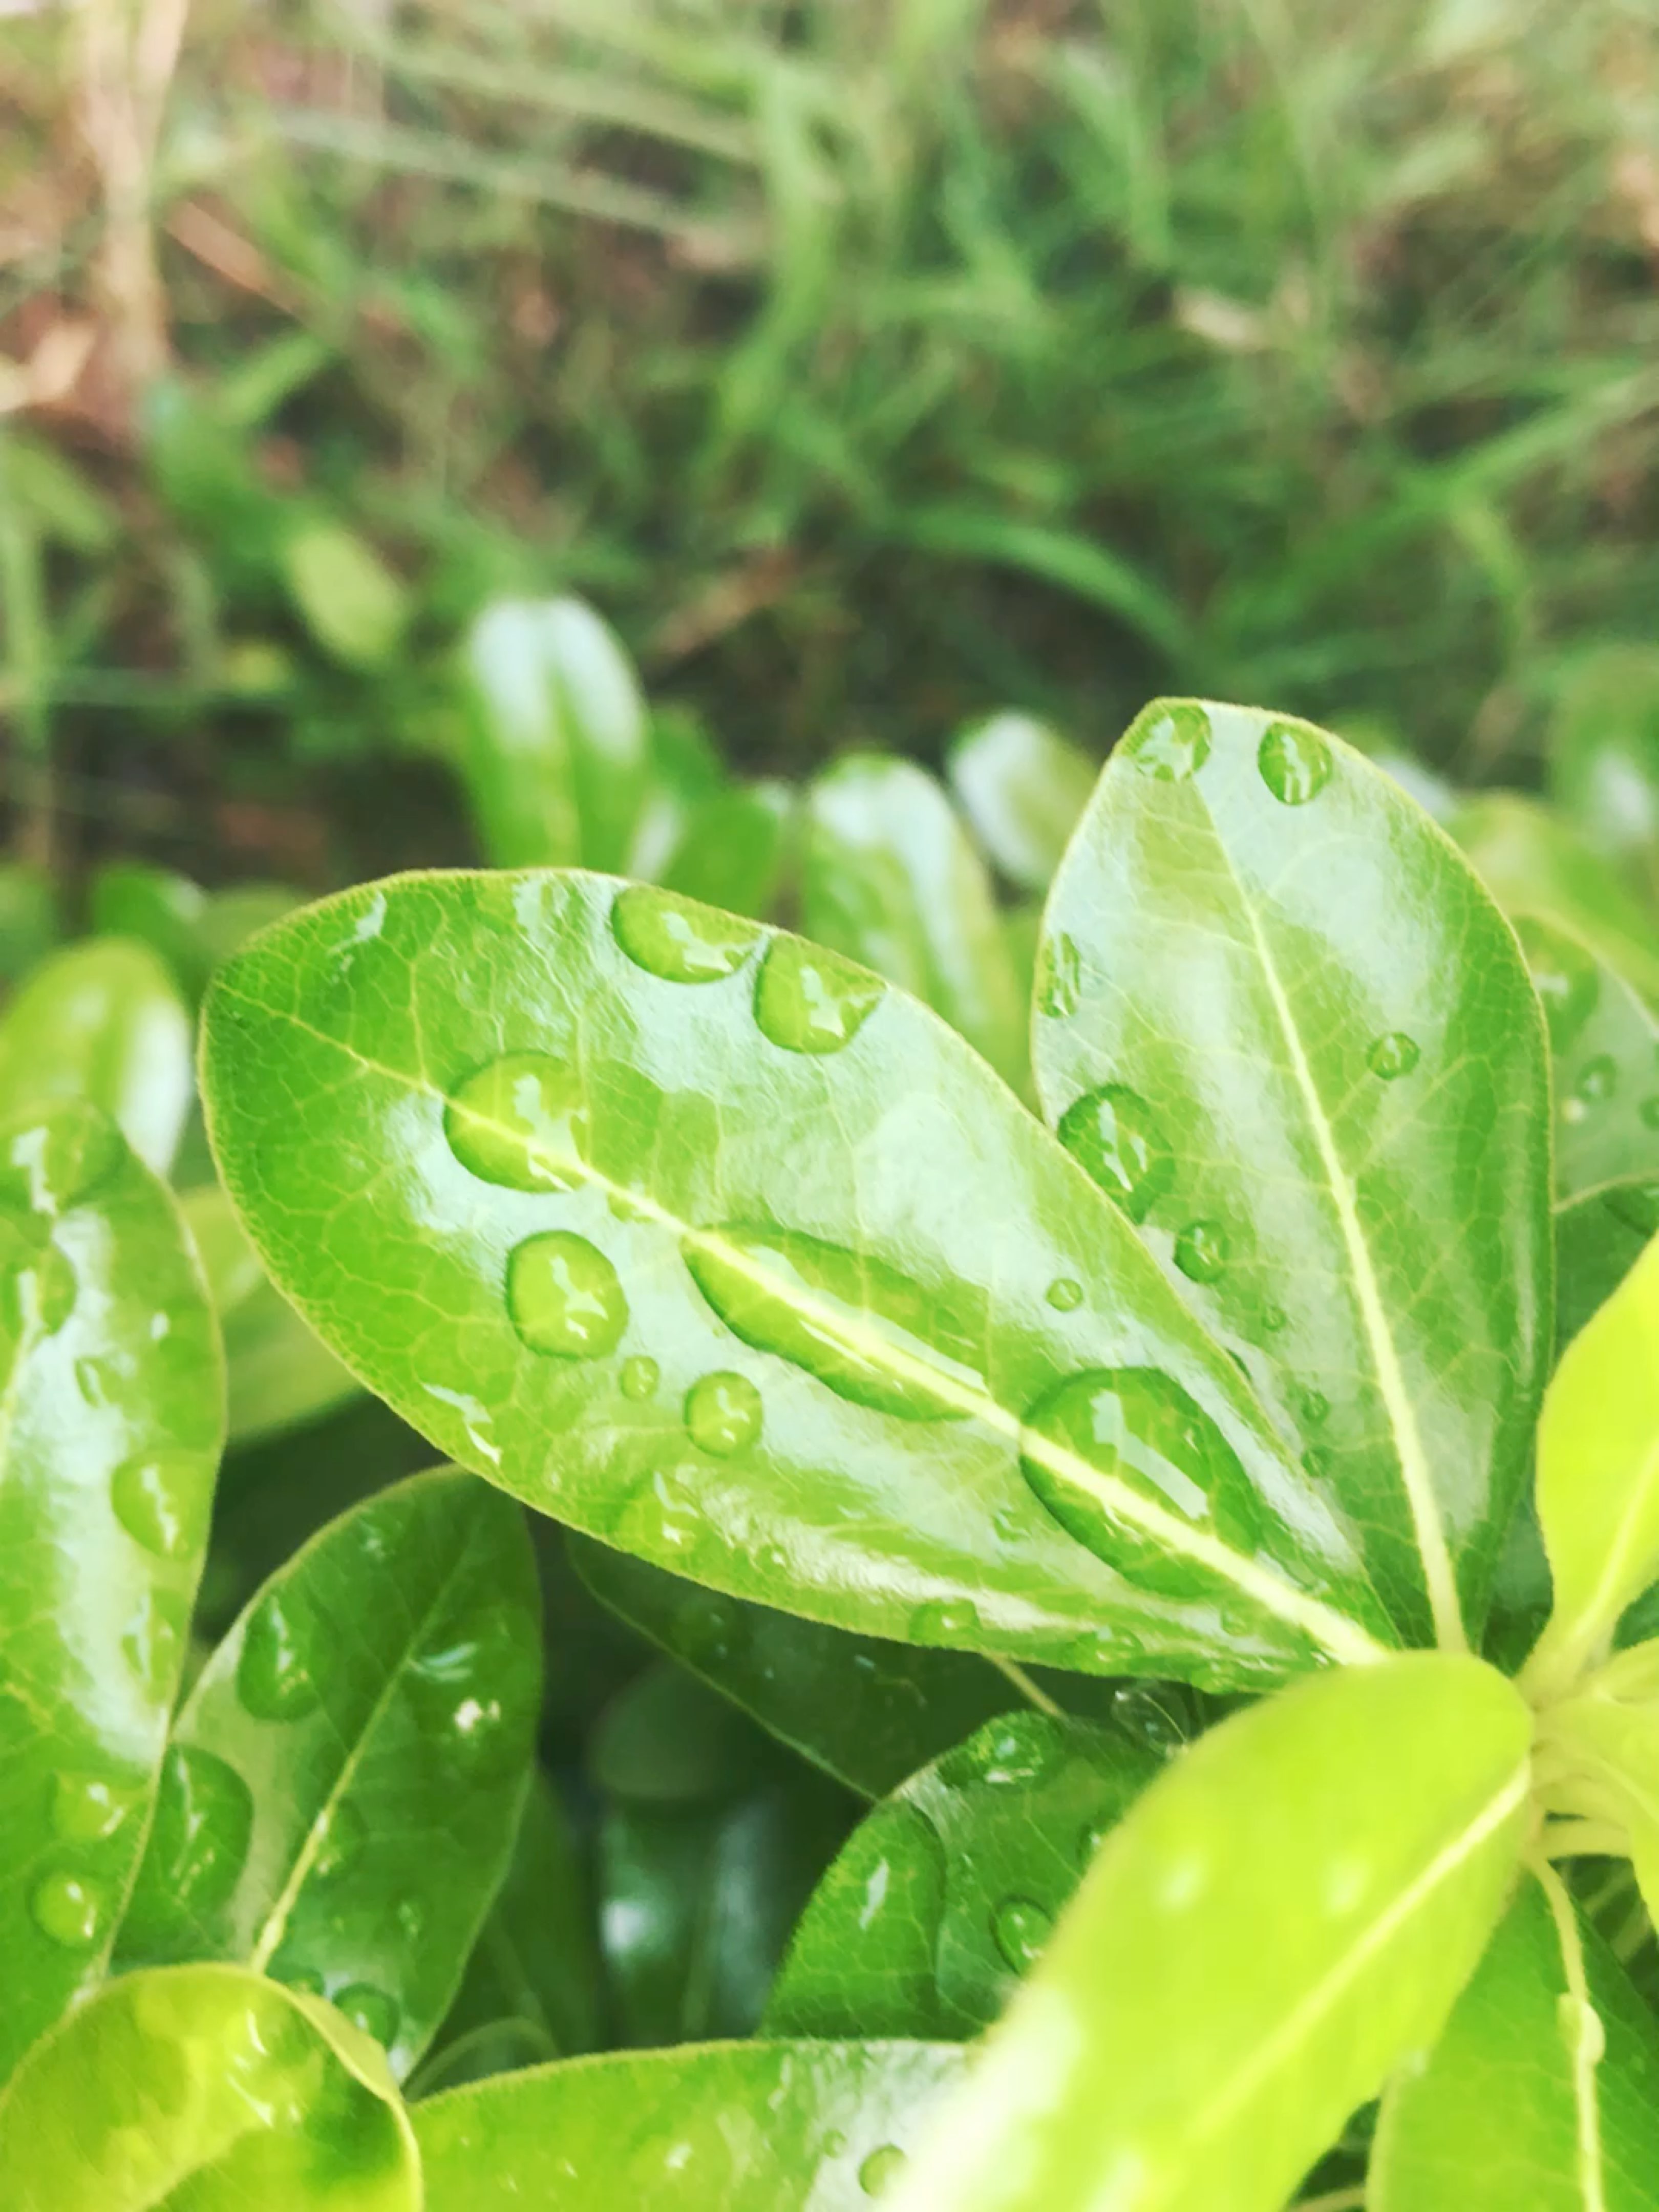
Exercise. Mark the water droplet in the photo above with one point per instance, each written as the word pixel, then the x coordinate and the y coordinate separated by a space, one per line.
pixel 708 1629
pixel 1273 1319
pixel 284 1656
pixel 834 2144
pixel 723 1414
pixel 85 1809
pixel 1090 1841
pixel 1021 1927
pixel 69 1910
pixel 678 940
pixel 1316 1407
pixel 38 1289
pixel 1058 985
pixel 1316 1463
pixel 564 1296
pixel 49 1163
pixel 160 1500
pixel 92 1379
pixel 1154 1719
pixel 881 2169
pixel 1649 1111
pixel 640 1377
pixel 1007 1523
pixel 520 1121
pixel 477 1691
pixel 1564 976
pixel 152 1642
pixel 951 1621
pixel 340 1831
pixel 811 1001
pixel 1065 1294
pixel 1200 1250
pixel 1598 1079
pixel 829 1310
pixel 370 2009
pixel 1294 762
pixel 411 1919
pixel 1114 1134
pixel 1393 1054
pixel 1170 740
pixel 199 1844
pixel 1016 1748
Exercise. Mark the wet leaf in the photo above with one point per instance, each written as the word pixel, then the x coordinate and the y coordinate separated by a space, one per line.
pixel 1604 1045
pixel 1598 1240
pixel 1533 862
pixel 734 848
pixel 1022 788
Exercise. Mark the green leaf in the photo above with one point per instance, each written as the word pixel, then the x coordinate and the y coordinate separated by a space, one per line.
pixel 103 1021
pixel 1544 2089
pixel 734 848
pixel 362 1740
pixel 1276 1005
pixel 1533 862
pixel 192 929
pixel 684 768
pixel 355 608
pixel 1604 749
pixel 946 1895
pixel 1598 1240
pixel 694 1237
pixel 1597 1763
pixel 891 879
pixel 1022 787
pixel 1598 1476
pixel 752 2127
pixel 282 1375
pixel 1284 1917
pixel 29 924
pixel 868 1712
pixel 1604 1046
pixel 495 2046
pixel 114 1420
pixel 208 2087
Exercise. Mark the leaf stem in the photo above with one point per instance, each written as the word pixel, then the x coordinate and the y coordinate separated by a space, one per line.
pixel 1028 1689
pixel 1587 2044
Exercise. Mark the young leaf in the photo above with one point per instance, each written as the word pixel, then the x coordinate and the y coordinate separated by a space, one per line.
pixel 1542 2092
pixel 1276 1004
pixel 1533 862
pixel 208 2087
pixel 354 606
pixel 1281 1919
pixel 891 879
pixel 1598 1240
pixel 1022 787
pixel 748 2127
pixel 344 1785
pixel 1598 1761
pixel 103 1020
pixel 948 1891
pixel 114 1398
pixel 192 929
pixel 1604 1044
pixel 734 848
pixel 695 1235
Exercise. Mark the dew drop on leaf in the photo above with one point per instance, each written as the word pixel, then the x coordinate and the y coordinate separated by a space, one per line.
pixel 155 1498
pixel 370 2009
pixel 1065 1294
pixel 1020 1928
pixel 1295 764
pixel 1316 1463
pixel 723 1414
pixel 564 1296
pixel 284 1658
pixel 69 1909
pixel 1013 1749
pixel 1200 1250
pixel 520 1121
pixel 708 1628
pixel 199 1841
pixel 46 1167
pixel 1090 1841
pixel 340 1833
pixel 1142 1713
pixel 640 1377
pixel 411 1919
pixel 1316 1407
pixel 1170 742
pixel 476 1693
pixel 676 939
pixel 1059 982
pixel 1598 1079
pixel 1393 1054
pixel 945 1620
pixel 86 1809
pixel 881 2169
pixel 153 1642
pixel 1273 1319
pixel 1114 1134
pixel 810 1000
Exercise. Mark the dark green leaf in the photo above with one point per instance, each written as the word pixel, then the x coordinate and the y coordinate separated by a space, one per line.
pixel 1604 1044
pixel 1022 787
pixel 1598 1240
pixel 495 2046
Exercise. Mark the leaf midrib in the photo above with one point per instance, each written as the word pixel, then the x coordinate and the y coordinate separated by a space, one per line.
pixel 1587 2111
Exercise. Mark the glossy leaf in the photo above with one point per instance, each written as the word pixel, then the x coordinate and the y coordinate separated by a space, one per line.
pixel 1282 1919
pixel 947 1894
pixel 1604 1045
pixel 890 878
pixel 103 1021
pixel 868 1712
pixel 734 848
pixel 114 1398
pixel 360 1741
pixel 1022 788
pixel 717 1249
pixel 205 2086
pixel 1542 2092
pixel 1598 1475
pixel 751 2127
pixel 1276 1004
pixel 1533 862
pixel 1598 1240
pixel 281 1375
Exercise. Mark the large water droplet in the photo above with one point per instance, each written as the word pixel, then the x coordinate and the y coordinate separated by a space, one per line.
pixel 1200 1250
pixel 640 1377
pixel 1065 1294
pixel 370 2009
pixel 881 2169
pixel 48 1164
pixel 723 1414
pixel 1393 1055
pixel 1139 1428
pixel 1151 1718
pixel 284 1657
pixel 564 1296
pixel 522 1121
pixel 676 938
pixel 1012 1750
pixel 199 1844
pixel 86 1809
pixel 811 1001
pixel 158 1500
pixel 949 1622
pixel 477 1692
pixel 152 1642
pixel 1294 762
pixel 1058 985
pixel 1169 739
pixel 1115 1135
pixel 871 1334
pixel 340 1831
pixel 1020 1928
pixel 70 1909
pixel 1564 975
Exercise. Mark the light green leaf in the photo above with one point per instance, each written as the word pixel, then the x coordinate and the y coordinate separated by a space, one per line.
pixel 29 925
pixel 1022 787
pixel 344 1784
pixel 208 2087
pixel 684 768
pixel 1542 2092
pixel 1533 862
pixel 1281 1920
pixel 113 1421
pixel 751 2127
pixel 947 1894
pixel 495 2046
pixel 1598 1764
pixel 192 929
pixel 1604 1045
pixel 1604 749
pixel 103 1021
pixel 734 848
pixel 355 608
pixel 694 1236
pixel 1598 1240
pixel 890 878
pixel 1273 1003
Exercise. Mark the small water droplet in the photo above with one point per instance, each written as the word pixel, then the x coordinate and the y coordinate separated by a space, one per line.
pixel 284 1656
pixel 1020 1928
pixel 199 1844
pixel 411 1919
pixel 676 938
pixel 1058 985
pixel 1006 1522
pixel 1143 1713
pixel 564 1296
pixel 49 1163
pixel 159 1499
pixel 1316 1463
pixel 69 1910
pixel 834 2144
pixel 477 1691
pixel 1564 976
pixel 640 1377
pixel 520 1121
pixel 1294 762
pixel 1114 1135
pixel 1598 1079
pixel 92 1379
pixel 1065 1294
pixel 1090 1841
pixel 881 2169
pixel 708 1630
pixel 1393 1054
pixel 86 1809
pixel 723 1414
pixel 1273 1319
pixel 811 1001
pixel 951 1621
pixel 1200 1250
pixel 1170 740
pixel 370 2009
pixel 340 1831
pixel 152 1642
pixel 1015 1748
pixel 1316 1407
pixel 1649 1111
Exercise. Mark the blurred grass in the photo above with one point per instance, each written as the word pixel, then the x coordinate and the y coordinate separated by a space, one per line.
pixel 870 362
